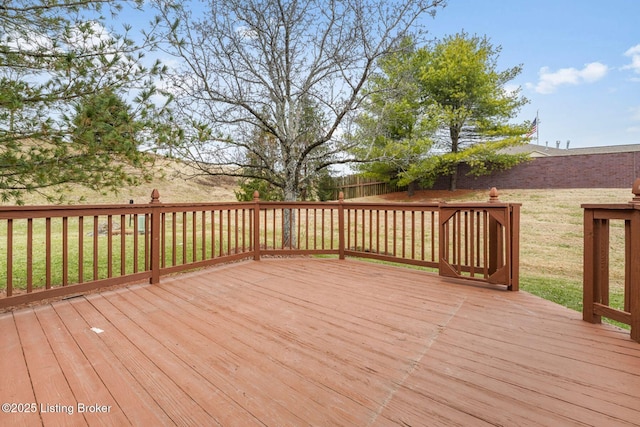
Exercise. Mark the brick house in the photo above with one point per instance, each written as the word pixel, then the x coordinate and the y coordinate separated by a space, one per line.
pixel 593 167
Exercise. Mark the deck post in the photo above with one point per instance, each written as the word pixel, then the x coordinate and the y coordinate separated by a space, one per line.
pixel 633 284
pixel 633 264
pixel 155 237
pixel 494 236
pixel 589 269
pixel 341 230
pixel 514 224
pixel 597 222
pixel 256 226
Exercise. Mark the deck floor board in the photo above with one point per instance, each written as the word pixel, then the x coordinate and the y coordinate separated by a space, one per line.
pixel 323 342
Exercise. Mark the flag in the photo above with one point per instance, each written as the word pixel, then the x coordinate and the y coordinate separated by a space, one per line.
pixel 534 128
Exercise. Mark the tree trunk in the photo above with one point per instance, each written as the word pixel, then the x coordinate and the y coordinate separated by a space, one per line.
pixel 453 179
pixel 289 218
pixel 454 133
pixel 411 188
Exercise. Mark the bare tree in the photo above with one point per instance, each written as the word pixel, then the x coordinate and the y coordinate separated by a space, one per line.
pixel 250 65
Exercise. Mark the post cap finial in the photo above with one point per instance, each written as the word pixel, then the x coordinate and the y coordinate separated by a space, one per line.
pixel 155 196
pixel 636 191
pixel 256 196
pixel 493 195
pixel 341 196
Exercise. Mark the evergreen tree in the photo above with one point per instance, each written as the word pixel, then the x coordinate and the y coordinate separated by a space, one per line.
pixel 438 106
pixel 55 56
pixel 466 94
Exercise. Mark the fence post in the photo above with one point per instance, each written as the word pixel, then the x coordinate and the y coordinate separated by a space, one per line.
pixel 341 231
pixel 155 237
pixel 256 226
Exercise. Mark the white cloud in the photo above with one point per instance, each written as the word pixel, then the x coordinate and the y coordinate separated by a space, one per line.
pixel 88 39
pixel 635 114
pixel 634 54
pixel 635 117
pixel 511 89
pixel 245 32
pixel 549 81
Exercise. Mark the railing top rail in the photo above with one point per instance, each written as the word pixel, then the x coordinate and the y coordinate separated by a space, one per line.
pixel 475 205
pixel 17 212
pixel 634 203
pixel 399 205
pixel 297 204
pixel 206 206
pixel 611 206
pixel 39 211
pixel 22 212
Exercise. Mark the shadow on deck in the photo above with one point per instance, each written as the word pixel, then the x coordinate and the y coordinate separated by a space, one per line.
pixel 318 342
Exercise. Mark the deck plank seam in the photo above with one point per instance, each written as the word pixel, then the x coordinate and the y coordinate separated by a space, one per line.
pixel 414 363
pixel 24 357
pixel 301 375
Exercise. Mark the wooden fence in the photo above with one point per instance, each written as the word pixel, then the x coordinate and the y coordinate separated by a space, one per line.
pixel 54 251
pixel 597 226
pixel 354 186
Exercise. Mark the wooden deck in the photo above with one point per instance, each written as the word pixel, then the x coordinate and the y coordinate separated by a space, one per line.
pixel 322 342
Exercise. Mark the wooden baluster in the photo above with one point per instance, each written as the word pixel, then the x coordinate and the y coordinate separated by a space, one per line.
pixel 256 226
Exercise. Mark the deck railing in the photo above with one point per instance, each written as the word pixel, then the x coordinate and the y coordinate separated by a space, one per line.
pixel 56 251
pixel 597 227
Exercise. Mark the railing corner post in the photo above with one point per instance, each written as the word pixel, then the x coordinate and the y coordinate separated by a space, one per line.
pixel 635 189
pixel 633 262
pixel 155 237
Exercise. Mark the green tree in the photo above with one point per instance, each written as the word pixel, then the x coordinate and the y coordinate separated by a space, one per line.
pixel 463 90
pixel 105 129
pixel 394 131
pixel 432 108
pixel 59 62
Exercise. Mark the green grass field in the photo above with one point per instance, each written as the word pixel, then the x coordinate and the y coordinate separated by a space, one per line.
pixel 551 234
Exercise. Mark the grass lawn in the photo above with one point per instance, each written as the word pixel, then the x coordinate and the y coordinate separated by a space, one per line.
pixel 551 238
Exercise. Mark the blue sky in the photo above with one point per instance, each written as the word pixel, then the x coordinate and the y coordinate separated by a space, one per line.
pixel 577 57
pixel 578 63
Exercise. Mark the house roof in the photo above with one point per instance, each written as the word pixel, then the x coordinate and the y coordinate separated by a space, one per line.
pixel 545 151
